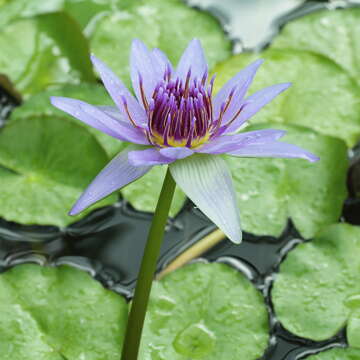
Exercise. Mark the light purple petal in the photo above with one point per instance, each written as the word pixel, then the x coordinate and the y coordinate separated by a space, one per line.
pixel 98 119
pixel 142 65
pixel 160 62
pixel 114 176
pixel 241 82
pixel 255 102
pixel 148 157
pixel 118 91
pixel 176 152
pixel 193 58
pixel 206 180
pixel 227 143
pixel 275 149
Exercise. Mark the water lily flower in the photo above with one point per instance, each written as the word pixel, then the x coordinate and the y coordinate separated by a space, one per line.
pixel 175 119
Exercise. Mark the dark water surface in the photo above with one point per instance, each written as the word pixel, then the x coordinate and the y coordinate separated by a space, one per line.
pixel 109 242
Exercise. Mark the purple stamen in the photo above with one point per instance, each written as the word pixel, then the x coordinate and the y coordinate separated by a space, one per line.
pixel 181 111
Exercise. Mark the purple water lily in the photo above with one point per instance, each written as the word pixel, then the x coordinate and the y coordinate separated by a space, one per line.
pixel 175 119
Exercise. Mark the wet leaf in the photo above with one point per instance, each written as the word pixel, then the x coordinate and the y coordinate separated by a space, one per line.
pixel 335 34
pixel 143 194
pixel 337 354
pixel 83 11
pixel 317 289
pixel 205 311
pixel 323 96
pixel 154 23
pixel 50 313
pixel 269 191
pixel 45 164
pixel 39 105
pixel 42 51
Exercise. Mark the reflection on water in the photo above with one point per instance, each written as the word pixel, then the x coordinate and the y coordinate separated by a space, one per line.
pixel 250 23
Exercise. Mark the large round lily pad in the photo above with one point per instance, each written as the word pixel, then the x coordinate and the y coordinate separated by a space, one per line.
pixel 169 25
pixel 269 191
pixel 50 313
pixel 39 105
pixel 335 34
pixel 45 164
pixel 316 292
pixel 205 311
pixel 336 354
pixel 323 97
pixel 42 51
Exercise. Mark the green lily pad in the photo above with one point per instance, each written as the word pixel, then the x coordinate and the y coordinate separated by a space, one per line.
pixel 83 11
pixel 335 34
pixel 323 96
pixel 205 311
pixel 42 51
pixel 143 194
pixel 50 313
pixel 337 354
pixel 39 105
pixel 269 191
pixel 318 286
pixel 353 329
pixel 46 163
pixel 154 23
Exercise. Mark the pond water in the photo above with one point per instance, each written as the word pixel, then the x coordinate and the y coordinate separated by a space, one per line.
pixel 110 241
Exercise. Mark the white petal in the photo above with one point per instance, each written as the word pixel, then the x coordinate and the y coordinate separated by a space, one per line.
pixel 206 180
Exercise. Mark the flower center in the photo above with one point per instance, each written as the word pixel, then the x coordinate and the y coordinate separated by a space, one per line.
pixel 180 112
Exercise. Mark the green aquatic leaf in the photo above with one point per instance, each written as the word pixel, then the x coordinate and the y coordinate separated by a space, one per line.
pixel 153 22
pixel 318 286
pixel 353 328
pixel 39 105
pixel 205 311
pixel 337 354
pixel 269 191
pixel 323 96
pixel 335 34
pixel 83 11
pixel 143 194
pixel 57 313
pixel 42 51
pixel 46 163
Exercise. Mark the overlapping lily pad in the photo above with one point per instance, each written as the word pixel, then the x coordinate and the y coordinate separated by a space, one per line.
pixel 83 11
pixel 58 313
pixel 169 25
pixel 42 51
pixel 323 97
pixel 45 164
pixel 335 34
pixel 39 105
pixel 205 311
pixel 269 191
pixel 337 354
pixel 143 194
pixel 316 292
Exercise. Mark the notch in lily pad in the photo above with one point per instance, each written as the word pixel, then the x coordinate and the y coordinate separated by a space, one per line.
pixel 45 162
pixel 316 293
pixel 44 50
pixel 54 313
pixel 205 311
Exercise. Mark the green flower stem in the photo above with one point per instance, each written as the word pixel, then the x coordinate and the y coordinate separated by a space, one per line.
pixel 148 266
